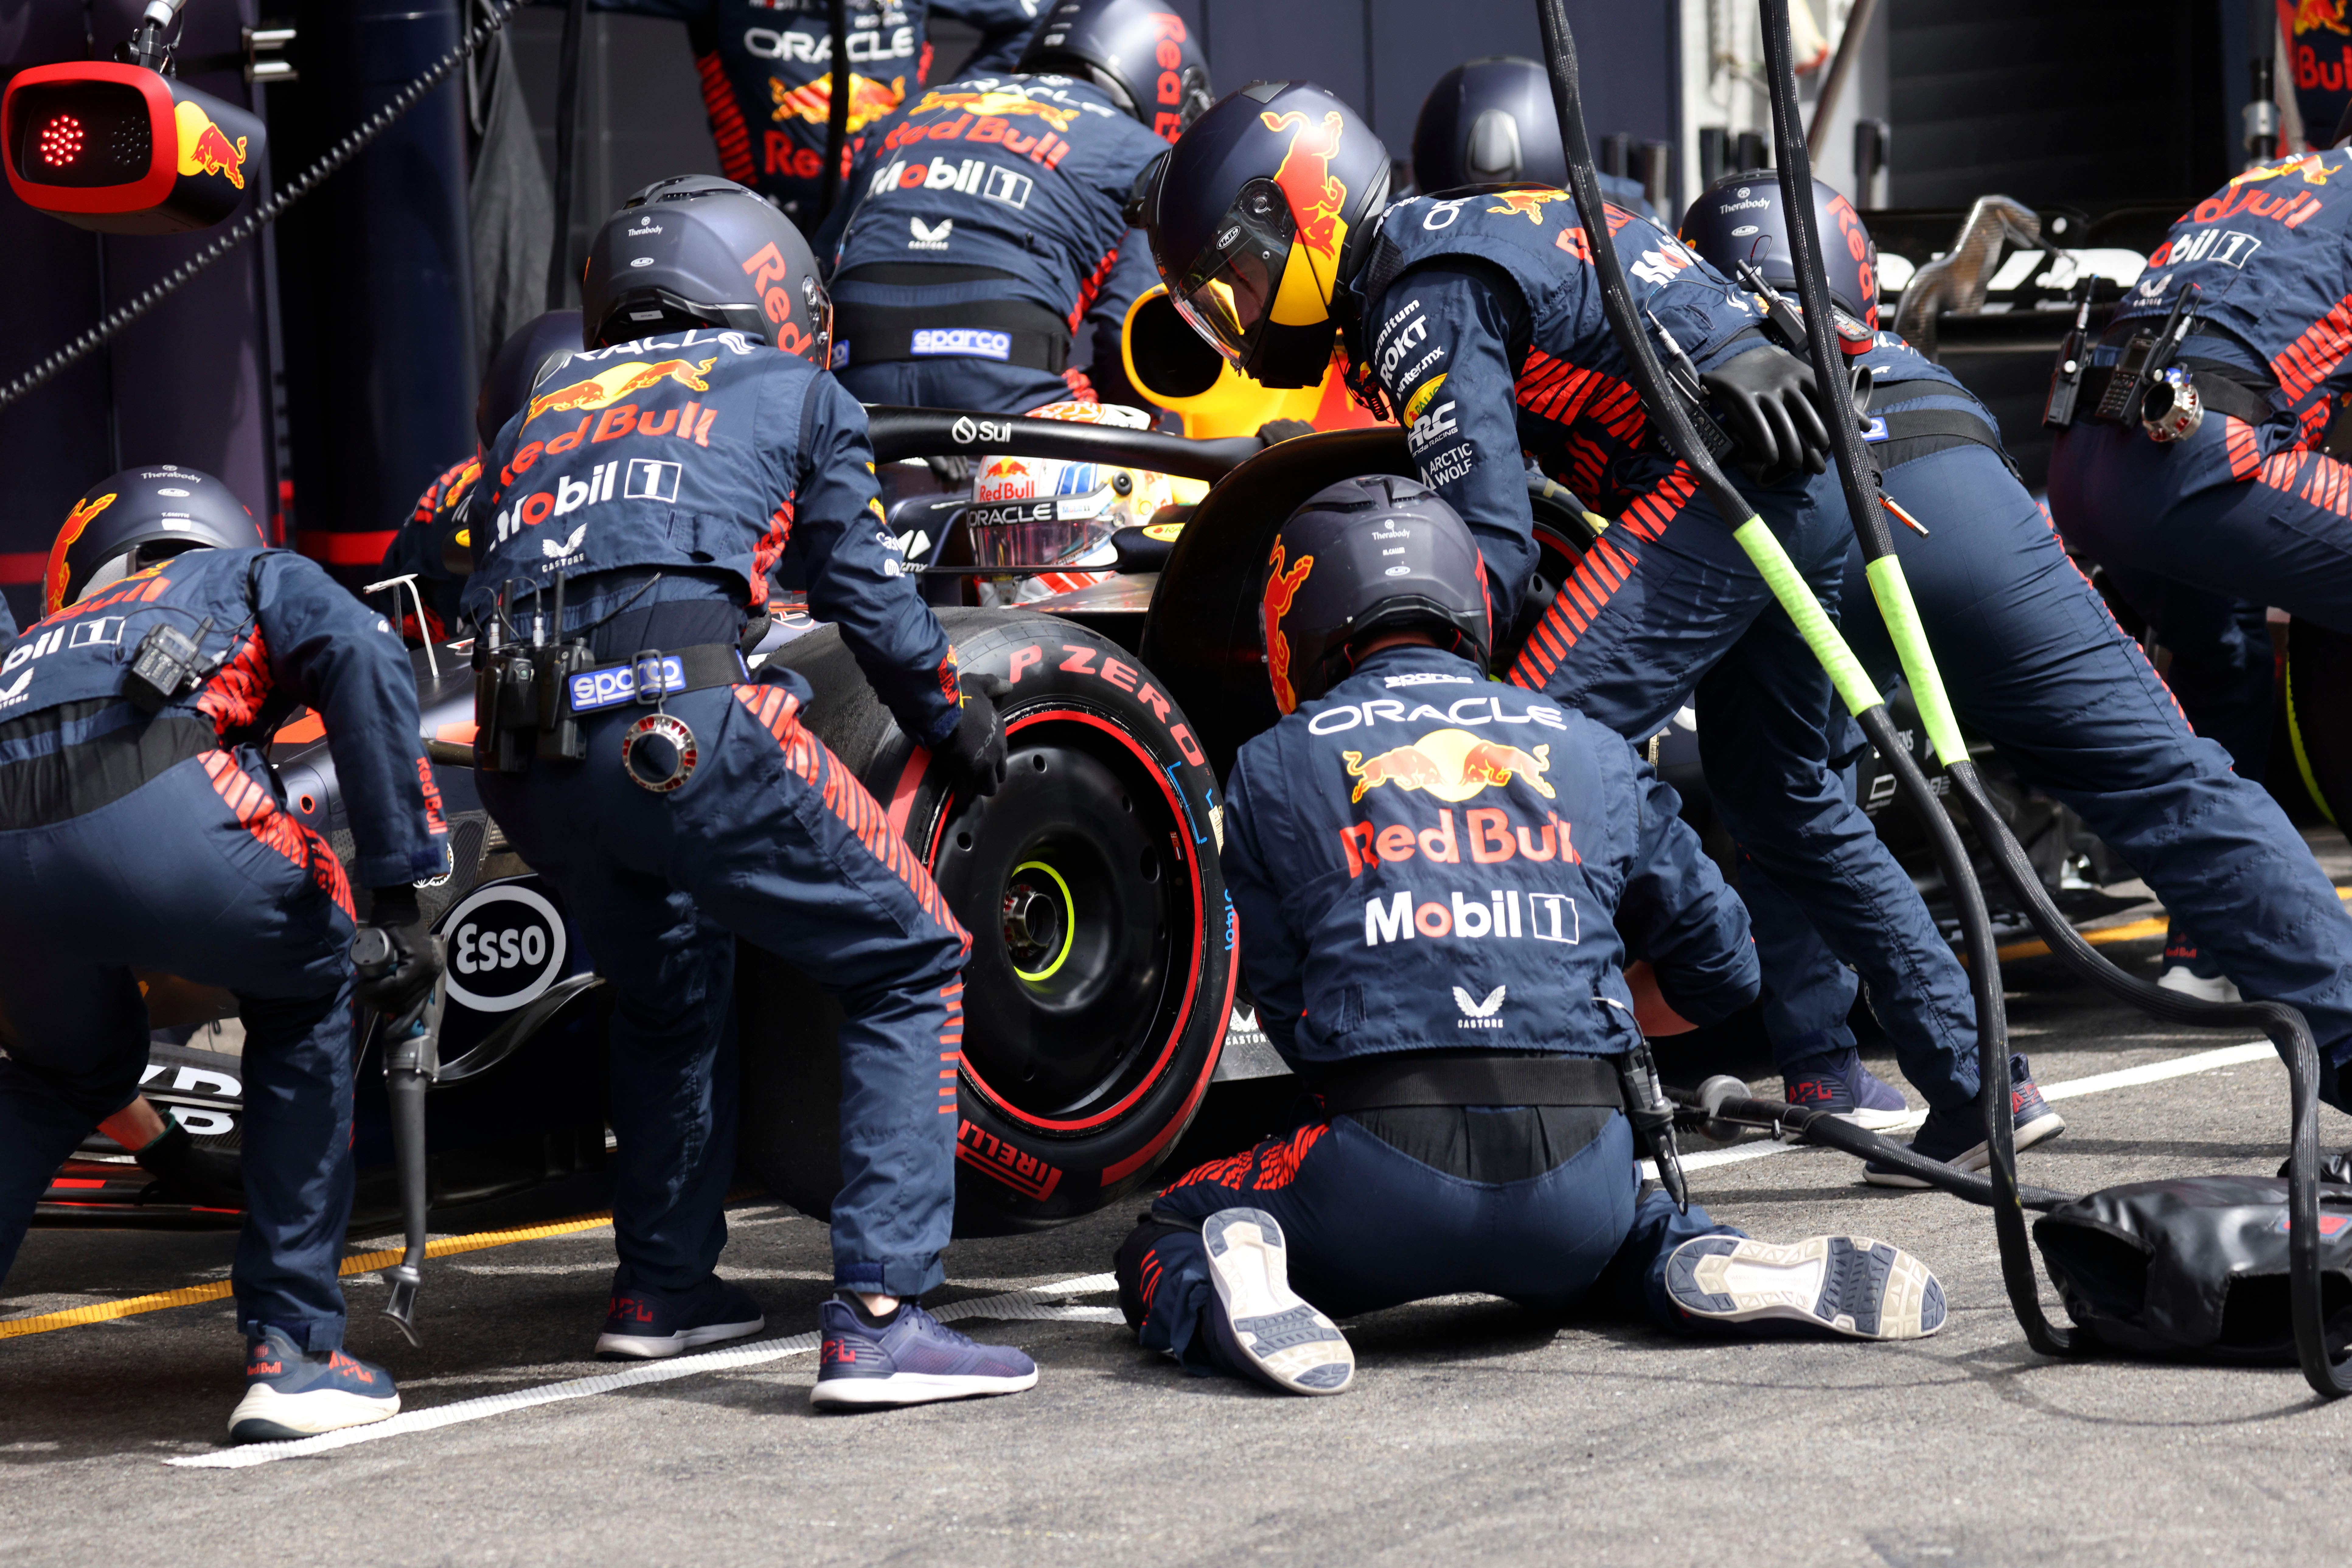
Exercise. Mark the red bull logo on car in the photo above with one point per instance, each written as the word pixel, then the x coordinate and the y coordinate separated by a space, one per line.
pixel 204 150
pixel 610 386
pixel 1451 765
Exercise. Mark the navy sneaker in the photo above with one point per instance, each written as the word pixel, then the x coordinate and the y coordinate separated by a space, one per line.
pixel 1848 1090
pixel 1262 1327
pixel 1848 1285
pixel 291 1393
pixel 647 1324
pixel 912 1359
pixel 1956 1137
pixel 2194 972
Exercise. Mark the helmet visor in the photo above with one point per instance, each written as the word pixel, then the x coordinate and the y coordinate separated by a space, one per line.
pixel 1227 294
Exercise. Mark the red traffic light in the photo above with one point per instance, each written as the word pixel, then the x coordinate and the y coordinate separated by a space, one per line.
pixel 124 149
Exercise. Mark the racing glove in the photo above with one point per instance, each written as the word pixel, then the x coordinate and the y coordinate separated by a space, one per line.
pixel 1275 430
pixel 1766 398
pixel 396 959
pixel 974 749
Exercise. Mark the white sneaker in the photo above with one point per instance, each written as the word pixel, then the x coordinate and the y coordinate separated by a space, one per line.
pixel 1848 1285
pixel 1259 1321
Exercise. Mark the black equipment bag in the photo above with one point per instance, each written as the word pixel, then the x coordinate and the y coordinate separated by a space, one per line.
pixel 2197 1268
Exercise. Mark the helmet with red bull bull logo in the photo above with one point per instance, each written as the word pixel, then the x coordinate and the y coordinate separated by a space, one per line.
pixel 1259 216
pixel 1139 52
pixel 1740 218
pixel 700 251
pixel 1369 555
pixel 128 522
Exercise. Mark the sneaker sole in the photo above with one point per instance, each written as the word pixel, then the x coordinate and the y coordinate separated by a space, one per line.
pixel 656 1347
pixel 266 1415
pixel 914 1388
pixel 1877 1121
pixel 2219 988
pixel 1850 1285
pixel 2041 1130
pixel 1280 1336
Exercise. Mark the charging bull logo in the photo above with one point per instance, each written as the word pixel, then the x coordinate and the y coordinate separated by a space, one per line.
pixel 1529 204
pixel 1316 198
pixel 1004 479
pixel 1451 764
pixel 611 386
pixel 2311 16
pixel 981 105
pixel 1281 589
pixel 204 151
pixel 869 100
pixel 55 580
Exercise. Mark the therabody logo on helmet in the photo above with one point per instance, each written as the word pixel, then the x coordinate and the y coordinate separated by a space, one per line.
pixel 506 947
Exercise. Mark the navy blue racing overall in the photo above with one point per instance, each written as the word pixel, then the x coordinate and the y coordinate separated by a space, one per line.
pixel 767 75
pixel 2202 534
pixel 2035 664
pixel 1482 318
pixel 132 843
pixel 1425 862
pixel 674 482
pixel 987 231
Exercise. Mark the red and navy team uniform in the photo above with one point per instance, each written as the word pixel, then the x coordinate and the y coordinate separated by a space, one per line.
pixel 675 483
pixel 2202 535
pixel 132 843
pixel 988 232
pixel 1423 862
pixel 767 75
pixel 2035 664
pixel 1482 318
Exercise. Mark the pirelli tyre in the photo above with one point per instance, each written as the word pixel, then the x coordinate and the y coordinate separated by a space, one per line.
pixel 1102 968
pixel 2319 715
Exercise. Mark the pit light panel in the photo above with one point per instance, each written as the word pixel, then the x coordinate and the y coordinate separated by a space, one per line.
pixel 125 150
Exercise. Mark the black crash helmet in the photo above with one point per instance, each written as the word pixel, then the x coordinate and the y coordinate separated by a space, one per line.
pixel 1741 218
pixel 1488 121
pixel 1139 52
pixel 1259 216
pixel 128 522
pixel 520 364
pixel 1379 554
pixel 700 251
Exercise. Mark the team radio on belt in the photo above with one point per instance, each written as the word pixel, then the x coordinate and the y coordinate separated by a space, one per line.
pixel 1454 881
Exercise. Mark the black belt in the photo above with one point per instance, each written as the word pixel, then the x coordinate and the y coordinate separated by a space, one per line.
pixel 1009 331
pixel 75 780
pixel 603 686
pixel 1905 435
pixel 1416 1079
pixel 2215 390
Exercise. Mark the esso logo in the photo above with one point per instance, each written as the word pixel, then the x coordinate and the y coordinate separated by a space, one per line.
pixel 506 948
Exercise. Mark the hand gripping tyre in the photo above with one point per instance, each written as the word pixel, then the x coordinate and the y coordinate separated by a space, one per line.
pixel 1102 966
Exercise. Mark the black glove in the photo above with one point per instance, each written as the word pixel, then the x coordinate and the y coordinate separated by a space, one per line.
pixel 396 961
pixel 1766 398
pixel 974 749
pixel 1275 430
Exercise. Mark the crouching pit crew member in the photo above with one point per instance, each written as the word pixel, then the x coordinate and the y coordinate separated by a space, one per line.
pixel 650 496
pixel 1480 318
pixel 989 223
pixel 141 829
pixel 1439 881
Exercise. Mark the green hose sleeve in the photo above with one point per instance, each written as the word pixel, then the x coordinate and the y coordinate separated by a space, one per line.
pixel 1902 617
pixel 1796 596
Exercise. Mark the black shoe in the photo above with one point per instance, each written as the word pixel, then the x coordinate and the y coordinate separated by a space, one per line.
pixel 1957 1138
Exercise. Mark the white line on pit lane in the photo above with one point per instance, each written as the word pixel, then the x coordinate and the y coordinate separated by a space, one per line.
pixel 1018 1304
pixel 2097 1083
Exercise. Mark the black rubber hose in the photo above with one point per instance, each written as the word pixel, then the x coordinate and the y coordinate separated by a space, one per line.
pixel 1827 1130
pixel 567 144
pixel 836 113
pixel 301 185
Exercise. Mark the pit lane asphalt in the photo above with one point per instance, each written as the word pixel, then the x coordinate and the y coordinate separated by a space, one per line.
pixel 1476 1429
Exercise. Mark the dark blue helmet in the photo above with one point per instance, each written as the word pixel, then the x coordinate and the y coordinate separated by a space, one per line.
pixel 1137 51
pixel 1740 218
pixel 517 367
pixel 700 251
pixel 1488 122
pixel 128 522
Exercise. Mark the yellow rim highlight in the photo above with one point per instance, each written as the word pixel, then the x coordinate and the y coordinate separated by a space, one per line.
pixel 1069 934
pixel 2303 758
pixel 358 1263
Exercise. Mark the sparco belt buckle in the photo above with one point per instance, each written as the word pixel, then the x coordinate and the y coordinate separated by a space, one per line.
pixel 614 685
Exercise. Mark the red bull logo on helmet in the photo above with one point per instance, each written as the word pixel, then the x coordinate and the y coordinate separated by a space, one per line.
pixel 1281 590
pixel 204 150
pixel 55 581
pixel 1315 198
pixel 1450 765
pixel 1004 479
pixel 610 386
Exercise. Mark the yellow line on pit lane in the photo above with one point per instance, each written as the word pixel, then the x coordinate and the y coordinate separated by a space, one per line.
pixel 358 1263
pixel 2137 930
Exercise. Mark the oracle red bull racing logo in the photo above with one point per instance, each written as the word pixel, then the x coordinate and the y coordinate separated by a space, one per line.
pixel 608 387
pixel 204 150
pixel 1529 204
pixel 1451 765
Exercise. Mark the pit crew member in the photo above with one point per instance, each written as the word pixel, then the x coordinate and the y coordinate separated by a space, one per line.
pixel 669 478
pixel 1489 121
pixel 990 228
pixel 1439 882
pixel 1480 319
pixel 2252 507
pixel 141 829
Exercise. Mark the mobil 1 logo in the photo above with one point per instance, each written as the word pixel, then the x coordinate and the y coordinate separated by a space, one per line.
pixel 506 947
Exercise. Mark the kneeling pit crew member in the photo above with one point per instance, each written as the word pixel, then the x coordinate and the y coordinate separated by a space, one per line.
pixel 1480 317
pixel 1440 881
pixel 650 496
pixel 989 220
pixel 141 828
